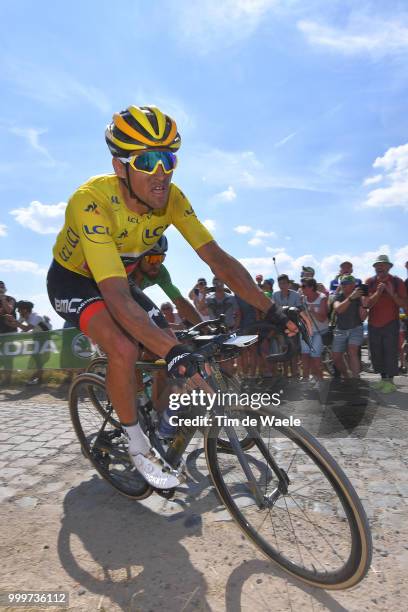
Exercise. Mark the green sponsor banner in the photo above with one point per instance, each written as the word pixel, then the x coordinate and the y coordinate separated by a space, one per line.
pixel 48 350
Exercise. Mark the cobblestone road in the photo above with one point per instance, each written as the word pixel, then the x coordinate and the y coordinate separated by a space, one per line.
pixel 49 494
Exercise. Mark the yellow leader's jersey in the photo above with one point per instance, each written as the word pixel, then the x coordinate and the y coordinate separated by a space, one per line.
pixel 101 237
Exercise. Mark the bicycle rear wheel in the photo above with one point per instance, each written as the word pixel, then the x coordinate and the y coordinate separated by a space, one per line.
pixel 101 437
pixel 316 529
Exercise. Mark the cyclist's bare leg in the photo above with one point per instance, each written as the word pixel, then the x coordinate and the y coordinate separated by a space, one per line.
pixel 161 385
pixel 122 354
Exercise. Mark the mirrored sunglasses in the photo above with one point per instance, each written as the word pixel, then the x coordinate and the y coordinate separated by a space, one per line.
pixel 148 161
pixel 154 259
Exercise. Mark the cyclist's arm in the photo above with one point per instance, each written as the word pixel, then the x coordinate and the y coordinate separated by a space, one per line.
pixel 187 311
pixel 229 270
pixel 130 316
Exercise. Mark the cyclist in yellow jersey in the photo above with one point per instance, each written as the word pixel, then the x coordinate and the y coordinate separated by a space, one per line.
pixel 110 221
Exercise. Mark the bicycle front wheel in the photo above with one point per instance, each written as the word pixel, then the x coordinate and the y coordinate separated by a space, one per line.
pixel 101 437
pixel 311 521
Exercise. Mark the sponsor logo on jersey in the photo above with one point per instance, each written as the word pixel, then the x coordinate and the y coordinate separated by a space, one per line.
pixel 124 234
pixel 153 312
pixel 189 211
pixel 114 199
pixel 151 236
pixel 67 305
pixel 92 207
pixel 97 233
pixel 133 219
pixel 71 240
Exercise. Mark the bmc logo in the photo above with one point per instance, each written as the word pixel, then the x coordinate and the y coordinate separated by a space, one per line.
pixel 67 305
pixel 151 236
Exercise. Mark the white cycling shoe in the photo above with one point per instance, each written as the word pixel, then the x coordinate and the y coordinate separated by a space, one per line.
pixel 156 471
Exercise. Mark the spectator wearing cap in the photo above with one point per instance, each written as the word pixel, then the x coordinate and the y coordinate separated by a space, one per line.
pixel 198 296
pixel 267 286
pixel 259 280
pixel 346 268
pixel 316 306
pixel 307 272
pixel 386 295
pixel 348 333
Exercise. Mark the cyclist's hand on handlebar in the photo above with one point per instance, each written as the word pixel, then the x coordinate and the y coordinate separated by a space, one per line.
pixel 182 363
pixel 284 319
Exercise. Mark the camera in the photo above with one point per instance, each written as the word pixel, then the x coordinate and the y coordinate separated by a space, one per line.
pixel 364 289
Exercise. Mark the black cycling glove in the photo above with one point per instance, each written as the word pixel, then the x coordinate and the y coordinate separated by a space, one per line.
pixel 181 355
pixel 276 316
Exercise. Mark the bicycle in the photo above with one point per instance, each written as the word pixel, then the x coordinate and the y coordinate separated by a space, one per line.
pixel 285 492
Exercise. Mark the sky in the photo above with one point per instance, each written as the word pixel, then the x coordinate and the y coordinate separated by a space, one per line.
pixel 292 115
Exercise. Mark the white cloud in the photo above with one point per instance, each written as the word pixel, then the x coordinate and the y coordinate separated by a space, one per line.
pixel 372 180
pixel 255 241
pixel 275 250
pixel 282 142
pixel 361 35
pixel 225 196
pixel 394 190
pixel 3 230
pixel 210 224
pixel 27 267
pixel 218 24
pixel 263 234
pixel 243 229
pixel 32 137
pixel 41 218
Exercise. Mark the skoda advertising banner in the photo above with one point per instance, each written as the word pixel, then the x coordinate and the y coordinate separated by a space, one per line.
pixel 53 350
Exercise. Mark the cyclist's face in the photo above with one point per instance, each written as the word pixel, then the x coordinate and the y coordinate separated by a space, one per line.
pixel 151 269
pixel 152 188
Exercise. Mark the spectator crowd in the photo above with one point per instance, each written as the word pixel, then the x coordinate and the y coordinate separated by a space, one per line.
pixel 341 318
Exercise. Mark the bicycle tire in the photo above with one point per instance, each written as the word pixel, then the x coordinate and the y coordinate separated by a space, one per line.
pixel 105 447
pixel 353 523
pixel 98 366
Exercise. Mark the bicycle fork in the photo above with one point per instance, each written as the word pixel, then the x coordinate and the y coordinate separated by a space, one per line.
pixel 261 499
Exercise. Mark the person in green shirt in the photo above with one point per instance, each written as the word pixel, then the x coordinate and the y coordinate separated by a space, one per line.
pixel 150 271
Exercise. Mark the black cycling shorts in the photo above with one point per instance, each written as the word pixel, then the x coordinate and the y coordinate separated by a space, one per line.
pixel 77 298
